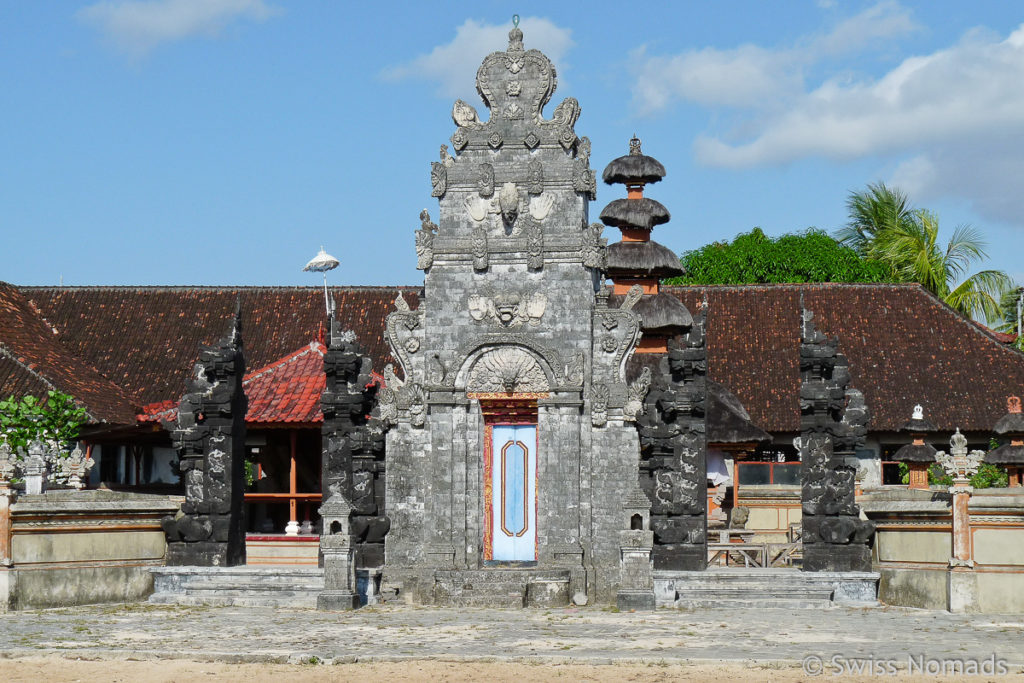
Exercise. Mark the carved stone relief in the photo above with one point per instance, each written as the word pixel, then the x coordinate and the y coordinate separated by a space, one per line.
pixel 480 258
pixel 485 181
pixel 635 395
pixel 425 241
pixel 508 308
pixel 507 369
pixel 535 178
pixel 534 246
pixel 594 247
pixel 438 179
pixel 599 406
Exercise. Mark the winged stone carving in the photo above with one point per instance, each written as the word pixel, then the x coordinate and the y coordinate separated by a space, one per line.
pixel 464 115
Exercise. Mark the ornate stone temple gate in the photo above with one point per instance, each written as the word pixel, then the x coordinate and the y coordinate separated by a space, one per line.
pixel 508 448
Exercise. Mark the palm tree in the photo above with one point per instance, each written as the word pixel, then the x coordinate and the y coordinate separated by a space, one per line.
pixel 884 228
pixel 873 212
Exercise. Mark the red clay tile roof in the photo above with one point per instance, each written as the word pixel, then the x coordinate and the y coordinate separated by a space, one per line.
pixel 146 339
pixel 905 347
pixel 288 390
pixel 33 361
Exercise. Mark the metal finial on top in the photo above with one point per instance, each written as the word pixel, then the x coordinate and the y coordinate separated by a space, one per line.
pixel 918 413
pixel 515 21
pixel 634 145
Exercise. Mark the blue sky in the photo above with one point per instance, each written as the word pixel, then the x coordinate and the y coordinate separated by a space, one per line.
pixel 222 142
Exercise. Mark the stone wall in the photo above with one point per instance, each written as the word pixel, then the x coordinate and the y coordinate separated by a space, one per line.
pixel 913 547
pixel 83 547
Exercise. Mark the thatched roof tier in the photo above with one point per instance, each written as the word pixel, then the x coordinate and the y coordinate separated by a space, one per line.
pixel 1011 423
pixel 663 313
pixel 642 259
pixel 728 420
pixel 643 213
pixel 915 453
pixel 1006 454
pixel 636 168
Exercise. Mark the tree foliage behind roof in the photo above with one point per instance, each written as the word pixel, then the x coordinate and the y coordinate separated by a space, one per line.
pixel 755 258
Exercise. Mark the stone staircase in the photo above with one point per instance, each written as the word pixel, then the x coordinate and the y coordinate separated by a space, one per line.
pixel 764 589
pixel 501 588
pixel 293 587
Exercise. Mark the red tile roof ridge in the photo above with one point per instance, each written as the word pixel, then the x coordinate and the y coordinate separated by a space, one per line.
pixel 284 360
pixel 29 367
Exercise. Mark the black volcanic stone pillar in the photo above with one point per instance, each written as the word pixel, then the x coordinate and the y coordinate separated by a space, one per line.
pixel 673 466
pixel 833 424
pixel 353 445
pixel 209 530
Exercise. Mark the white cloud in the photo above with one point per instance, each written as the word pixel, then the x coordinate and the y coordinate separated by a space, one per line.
pixel 138 26
pixel 750 75
pixel 953 121
pixel 453 65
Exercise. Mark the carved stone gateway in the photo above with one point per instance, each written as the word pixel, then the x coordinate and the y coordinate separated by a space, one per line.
pixel 508 442
pixel 209 529
pixel 833 423
pixel 353 445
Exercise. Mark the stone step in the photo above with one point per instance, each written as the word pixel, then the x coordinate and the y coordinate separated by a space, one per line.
pixel 750 593
pixel 295 602
pixel 238 586
pixel 310 584
pixel 763 588
pixel 750 603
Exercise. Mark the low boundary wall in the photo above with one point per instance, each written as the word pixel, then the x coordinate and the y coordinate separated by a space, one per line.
pixel 69 548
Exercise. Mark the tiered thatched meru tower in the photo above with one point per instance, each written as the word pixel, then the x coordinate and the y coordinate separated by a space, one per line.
pixel 510 453
pixel 670 359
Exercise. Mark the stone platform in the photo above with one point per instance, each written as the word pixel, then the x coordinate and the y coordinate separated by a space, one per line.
pixel 294 587
pixel 501 588
pixel 764 588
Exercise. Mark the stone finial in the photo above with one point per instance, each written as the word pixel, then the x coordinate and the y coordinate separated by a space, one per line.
pixel 634 146
pixel 1013 405
pixel 35 468
pixel 959 464
pixel 918 413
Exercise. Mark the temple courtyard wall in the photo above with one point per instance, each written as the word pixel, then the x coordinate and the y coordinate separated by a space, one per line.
pixel 914 542
pixel 64 548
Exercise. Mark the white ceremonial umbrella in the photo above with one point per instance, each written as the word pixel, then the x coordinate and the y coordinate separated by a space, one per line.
pixel 321 263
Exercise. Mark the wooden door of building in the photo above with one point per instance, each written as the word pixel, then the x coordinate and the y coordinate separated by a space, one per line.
pixel 510 482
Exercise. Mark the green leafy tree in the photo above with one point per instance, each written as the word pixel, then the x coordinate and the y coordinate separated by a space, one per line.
pixel 883 228
pixel 1008 313
pixel 55 419
pixel 753 257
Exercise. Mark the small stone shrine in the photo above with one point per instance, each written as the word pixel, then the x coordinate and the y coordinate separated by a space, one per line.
pixel 1010 428
pixel 918 454
pixel 833 422
pixel 511 447
pixel 209 530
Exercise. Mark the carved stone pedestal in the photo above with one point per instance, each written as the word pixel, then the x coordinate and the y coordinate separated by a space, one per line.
pixel 636 576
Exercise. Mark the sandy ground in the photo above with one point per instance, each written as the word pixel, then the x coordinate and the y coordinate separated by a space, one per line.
pixel 60 670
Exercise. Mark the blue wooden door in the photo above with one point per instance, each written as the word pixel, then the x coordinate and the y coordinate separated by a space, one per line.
pixel 514 492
